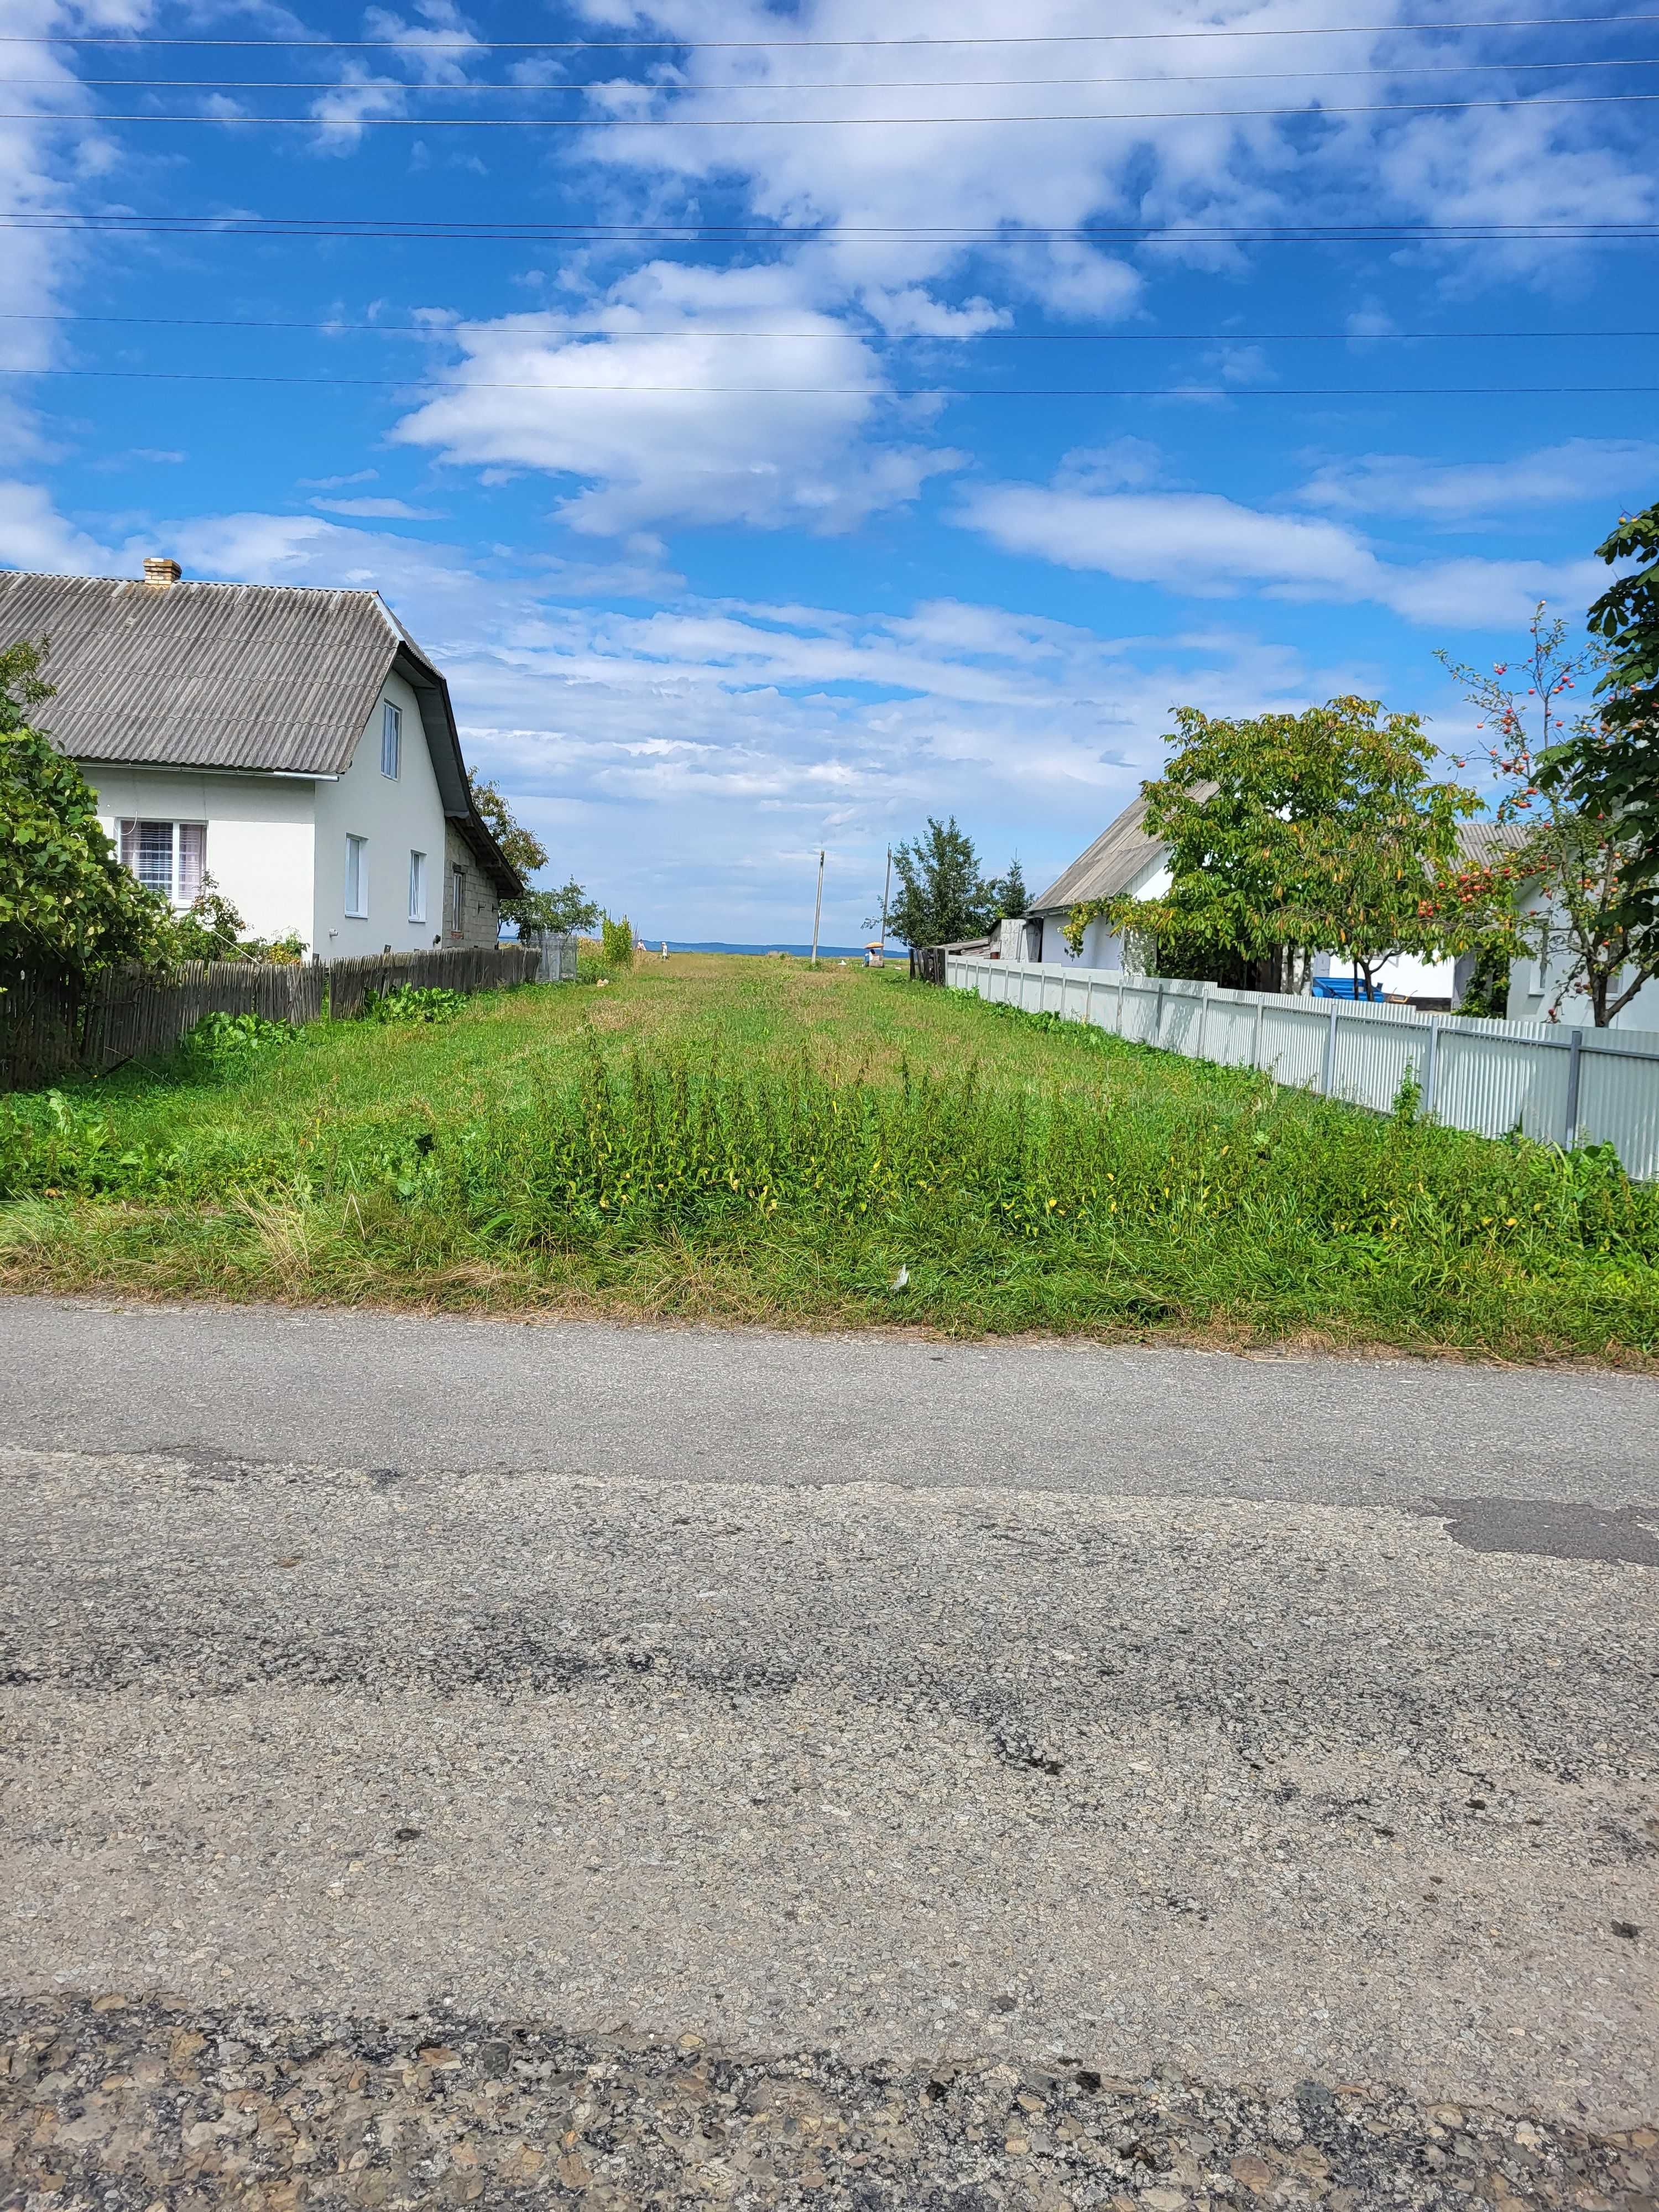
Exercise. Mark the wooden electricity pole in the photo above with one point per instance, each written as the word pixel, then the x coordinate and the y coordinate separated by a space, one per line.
pixel 817 909
pixel 886 887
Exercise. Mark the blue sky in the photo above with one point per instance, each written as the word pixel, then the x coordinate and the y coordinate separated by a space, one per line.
pixel 648 429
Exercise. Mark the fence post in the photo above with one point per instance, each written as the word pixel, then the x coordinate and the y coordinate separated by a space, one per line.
pixel 1330 1049
pixel 1158 1016
pixel 1255 1048
pixel 1203 1009
pixel 1431 1068
pixel 1575 1065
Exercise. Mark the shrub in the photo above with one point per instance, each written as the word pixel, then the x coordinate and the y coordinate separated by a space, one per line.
pixel 222 1038
pixel 411 1002
pixel 617 938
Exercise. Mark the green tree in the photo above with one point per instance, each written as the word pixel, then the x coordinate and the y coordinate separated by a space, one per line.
pixel 1607 765
pixel 521 848
pixel 1008 894
pixel 67 905
pixel 1290 835
pixel 942 898
pixel 1574 871
pixel 567 912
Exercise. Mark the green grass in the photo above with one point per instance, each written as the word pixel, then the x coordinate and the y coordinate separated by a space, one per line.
pixel 743 1140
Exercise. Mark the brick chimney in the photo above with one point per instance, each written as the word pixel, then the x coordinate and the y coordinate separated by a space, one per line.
pixel 161 573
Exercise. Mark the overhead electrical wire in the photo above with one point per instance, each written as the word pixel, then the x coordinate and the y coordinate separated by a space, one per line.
pixel 863 391
pixel 95 120
pixel 444 329
pixel 423 45
pixel 772 84
pixel 429 229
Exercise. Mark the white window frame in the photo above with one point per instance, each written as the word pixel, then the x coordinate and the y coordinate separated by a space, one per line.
pixel 392 740
pixel 417 886
pixel 357 864
pixel 129 830
pixel 456 901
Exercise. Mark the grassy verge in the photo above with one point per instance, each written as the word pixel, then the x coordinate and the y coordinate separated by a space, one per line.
pixel 736 1140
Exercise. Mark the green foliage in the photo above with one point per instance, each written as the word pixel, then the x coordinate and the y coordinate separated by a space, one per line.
pixel 942 898
pixel 209 928
pixel 412 1002
pixel 567 912
pixel 771 1145
pixel 230 1040
pixel 1598 935
pixel 67 905
pixel 1607 764
pixel 618 942
pixel 521 848
pixel 1321 832
pixel 1008 894
pixel 1487 992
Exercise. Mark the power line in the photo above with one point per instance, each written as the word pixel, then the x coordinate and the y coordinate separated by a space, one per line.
pixel 435 229
pixel 771 84
pixel 444 329
pixel 808 121
pixel 871 390
pixel 707 45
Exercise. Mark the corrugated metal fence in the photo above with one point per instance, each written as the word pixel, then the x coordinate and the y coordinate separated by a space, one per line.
pixel 49 1030
pixel 1561 1086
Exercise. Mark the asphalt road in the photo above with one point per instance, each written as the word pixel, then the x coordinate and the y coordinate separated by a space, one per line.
pixel 1019 1715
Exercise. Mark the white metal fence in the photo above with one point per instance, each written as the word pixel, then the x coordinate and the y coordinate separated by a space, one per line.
pixel 1561 1086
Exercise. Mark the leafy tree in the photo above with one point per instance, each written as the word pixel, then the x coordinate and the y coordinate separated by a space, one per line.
pixel 1607 765
pixel 567 912
pixel 942 898
pixel 617 939
pixel 521 848
pixel 1294 834
pixel 1578 859
pixel 67 905
pixel 1008 894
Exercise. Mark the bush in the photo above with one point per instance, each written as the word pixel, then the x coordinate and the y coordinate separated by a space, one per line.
pixel 409 1002
pixel 222 1038
pixel 617 937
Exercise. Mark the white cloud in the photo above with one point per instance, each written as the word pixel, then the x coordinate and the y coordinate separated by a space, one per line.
pixel 1463 494
pixel 376 510
pixel 33 535
pixel 744 443
pixel 1201 545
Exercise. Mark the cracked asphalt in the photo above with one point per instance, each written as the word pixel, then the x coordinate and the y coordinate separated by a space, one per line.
pixel 1060 1811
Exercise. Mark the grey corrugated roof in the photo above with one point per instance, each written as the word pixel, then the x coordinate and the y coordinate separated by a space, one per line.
pixel 273 678
pixel 235 675
pixel 1124 851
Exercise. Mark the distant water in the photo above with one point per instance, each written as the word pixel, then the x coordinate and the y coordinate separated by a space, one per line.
pixel 800 951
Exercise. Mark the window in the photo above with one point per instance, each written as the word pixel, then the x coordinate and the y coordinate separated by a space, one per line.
pixel 356 877
pixel 169 857
pixel 391 739
pixel 417 886
pixel 457 902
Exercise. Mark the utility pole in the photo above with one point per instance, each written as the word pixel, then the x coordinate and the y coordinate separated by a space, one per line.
pixel 886 887
pixel 817 909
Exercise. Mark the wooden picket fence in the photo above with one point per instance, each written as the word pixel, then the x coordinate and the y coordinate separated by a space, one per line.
pixel 52 1028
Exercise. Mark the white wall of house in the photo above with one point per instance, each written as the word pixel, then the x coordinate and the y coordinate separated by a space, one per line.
pixel 259 834
pixel 1534 985
pixel 396 816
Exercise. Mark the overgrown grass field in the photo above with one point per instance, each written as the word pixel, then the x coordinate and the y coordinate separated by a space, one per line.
pixel 734 1139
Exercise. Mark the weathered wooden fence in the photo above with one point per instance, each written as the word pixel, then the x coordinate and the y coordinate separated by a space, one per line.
pixel 49 1029
pixel 470 967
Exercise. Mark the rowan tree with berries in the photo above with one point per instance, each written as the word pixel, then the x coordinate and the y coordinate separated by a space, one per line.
pixel 1577 861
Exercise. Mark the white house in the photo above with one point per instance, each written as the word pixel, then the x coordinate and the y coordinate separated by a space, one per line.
pixel 294 744
pixel 1127 860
